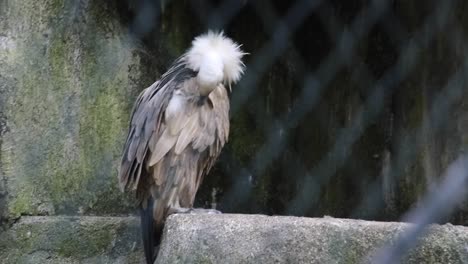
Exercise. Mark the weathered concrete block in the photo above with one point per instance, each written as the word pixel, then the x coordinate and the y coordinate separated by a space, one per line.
pixel 270 239
pixel 64 240
pixel 222 239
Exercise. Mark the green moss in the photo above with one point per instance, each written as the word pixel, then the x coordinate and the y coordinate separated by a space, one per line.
pixel 91 241
pixel 102 122
pixel 22 202
pixel 201 259
pixel 68 113
pixel 71 239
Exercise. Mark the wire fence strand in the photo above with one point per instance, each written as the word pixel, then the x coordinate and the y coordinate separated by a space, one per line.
pixel 379 88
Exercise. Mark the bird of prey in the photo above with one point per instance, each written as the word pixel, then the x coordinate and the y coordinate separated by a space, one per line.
pixel 177 130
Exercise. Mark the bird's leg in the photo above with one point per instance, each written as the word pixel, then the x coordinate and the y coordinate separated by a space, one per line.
pixel 182 210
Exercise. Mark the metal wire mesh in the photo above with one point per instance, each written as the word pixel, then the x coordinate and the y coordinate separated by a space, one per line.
pixel 347 108
pixel 380 84
pixel 353 109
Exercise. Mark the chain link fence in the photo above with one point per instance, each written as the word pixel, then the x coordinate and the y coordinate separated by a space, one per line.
pixel 395 71
pixel 354 109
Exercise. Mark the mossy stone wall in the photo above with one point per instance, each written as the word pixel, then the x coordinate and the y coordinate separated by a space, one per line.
pixel 70 72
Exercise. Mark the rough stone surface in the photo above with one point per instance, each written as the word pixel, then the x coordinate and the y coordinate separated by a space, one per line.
pixel 271 239
pixel 72 240
pixel 68 75
pixel 223 238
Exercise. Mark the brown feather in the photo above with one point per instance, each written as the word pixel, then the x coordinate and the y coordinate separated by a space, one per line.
pixel 164 144
pixel 137 177
pixel 174 139
pixel 187 134
pixel 157 174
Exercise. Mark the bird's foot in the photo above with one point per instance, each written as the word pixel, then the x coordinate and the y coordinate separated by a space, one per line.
pixel 203 211
pixel 181 210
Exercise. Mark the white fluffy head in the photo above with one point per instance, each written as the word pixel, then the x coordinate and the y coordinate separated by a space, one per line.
pixel 216 58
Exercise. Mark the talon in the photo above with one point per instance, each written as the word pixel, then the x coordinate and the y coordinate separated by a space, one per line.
pixel 179 210
pixel 204 211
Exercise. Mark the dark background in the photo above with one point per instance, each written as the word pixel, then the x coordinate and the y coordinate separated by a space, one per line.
pixel 332 116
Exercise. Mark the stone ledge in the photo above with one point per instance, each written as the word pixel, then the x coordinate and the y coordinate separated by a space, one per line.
pixel 70 239
pixel 275 239
pixel 226 238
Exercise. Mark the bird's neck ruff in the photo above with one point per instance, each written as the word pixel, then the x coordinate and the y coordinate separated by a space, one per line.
pixel 216 58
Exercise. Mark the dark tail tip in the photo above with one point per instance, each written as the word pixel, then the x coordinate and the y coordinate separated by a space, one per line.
pixel 148 231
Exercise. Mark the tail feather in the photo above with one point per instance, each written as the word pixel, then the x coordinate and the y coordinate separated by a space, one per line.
pixel 148 231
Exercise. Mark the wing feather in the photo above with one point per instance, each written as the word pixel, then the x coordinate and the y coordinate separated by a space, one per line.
pixel 173 140
pixel 146 121
pixel 187 134
pixel 133 147
pixel 138 174
pixel 157 173
pixel 179 166
pixel 164 144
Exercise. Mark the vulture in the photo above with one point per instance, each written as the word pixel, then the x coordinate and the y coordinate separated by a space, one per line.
pixel 178 127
